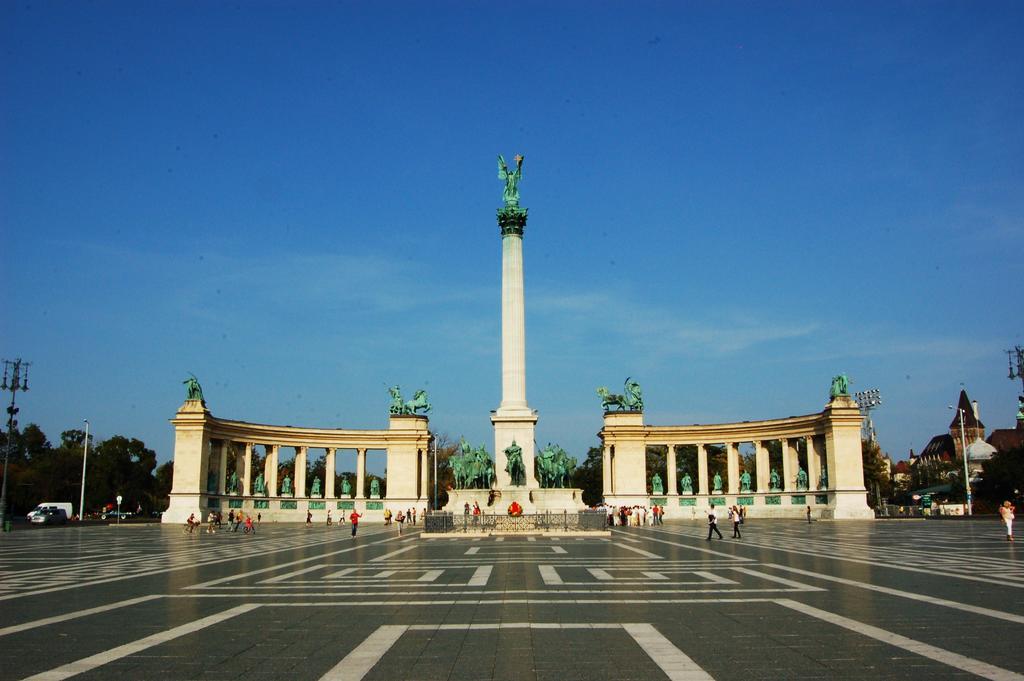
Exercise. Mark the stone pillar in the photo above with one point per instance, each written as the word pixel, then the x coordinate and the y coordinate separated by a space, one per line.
pixel 842 420
pixel 813 464
pixel 239 463
pixel 247 469
pixel 702 469
pixel 222 473
pixel 270 469
pixel 761 462
pixel 671 486
pixel 300 471
pixel 360 490
pixel 732 464
pixel 606 471
pixel 329 466
pixel 513 421
pixel 191 459
pixel 788 472
pixel 513 326
pixel 424 474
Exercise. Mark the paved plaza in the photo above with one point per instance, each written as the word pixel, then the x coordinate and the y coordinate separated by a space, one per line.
pixel 791 600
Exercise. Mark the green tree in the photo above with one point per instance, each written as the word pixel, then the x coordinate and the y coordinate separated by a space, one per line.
pixel 589 477
pixel 1002 477
pixel 876 476
pixel 121 466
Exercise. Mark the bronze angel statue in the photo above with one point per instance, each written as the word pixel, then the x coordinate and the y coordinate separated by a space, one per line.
pixel 511 177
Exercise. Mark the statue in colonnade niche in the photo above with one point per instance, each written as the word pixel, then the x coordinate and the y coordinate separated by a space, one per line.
pixel 774 481
pixel 631 400
pixel 801 479
pixel 717 482
pixel 211 482
pixel 823 479
pixel 744 481
pixel 259 486
pixel 346 487
pixel 686 484
pixel 657 487
pixel 193 391
pixel 1020 407
pixel 315 490
pixel 286 485
pixel 375 488
pixel 233 483
pixel 840 386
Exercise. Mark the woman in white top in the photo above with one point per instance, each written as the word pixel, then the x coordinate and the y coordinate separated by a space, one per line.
pixel 1006 513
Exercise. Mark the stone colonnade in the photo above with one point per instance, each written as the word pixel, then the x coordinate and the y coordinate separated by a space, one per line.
pixel 831 443
pixel 202 482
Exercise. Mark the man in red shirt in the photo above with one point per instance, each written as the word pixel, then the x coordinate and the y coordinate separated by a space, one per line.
pixel 354 518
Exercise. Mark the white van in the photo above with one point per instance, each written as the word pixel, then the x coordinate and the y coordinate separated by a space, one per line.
pixel 63 505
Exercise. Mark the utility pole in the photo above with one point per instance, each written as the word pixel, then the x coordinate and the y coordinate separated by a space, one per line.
pixel 18 371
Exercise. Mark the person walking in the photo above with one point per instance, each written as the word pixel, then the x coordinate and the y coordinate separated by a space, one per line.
pixel 249 527
pixel 734 514
pixel 354 519
pixel 1007 516
pixel 309 519
pixel 259 518
pixel 808 515
pixel 713 523
pixel 401 522
pixel 328 517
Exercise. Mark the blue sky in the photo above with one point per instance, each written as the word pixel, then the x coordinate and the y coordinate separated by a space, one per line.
pixel 730 202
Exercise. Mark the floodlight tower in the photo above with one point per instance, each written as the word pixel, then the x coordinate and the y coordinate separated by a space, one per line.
pixel 868 400
pixel 18 371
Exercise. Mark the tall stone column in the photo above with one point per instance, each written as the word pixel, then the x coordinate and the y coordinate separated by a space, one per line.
pixel 424 474
pixel 300 471
pixel 513 420
pixel 813 464
pixel 247 469
pixel 606 471
pixel 732 464
pixel 670 461
pixel 702 469
pixel 788 471
pixel 222 472
pixel 360 474
pixel 270 468
pixel 329 467
pixel 761 463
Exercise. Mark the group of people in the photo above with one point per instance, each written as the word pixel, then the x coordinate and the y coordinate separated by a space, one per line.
pixel 408 516
pixel 214 522
pixel 633 516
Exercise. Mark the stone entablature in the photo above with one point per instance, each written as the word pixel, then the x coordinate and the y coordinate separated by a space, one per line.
pixel 831 442
pixel 203 443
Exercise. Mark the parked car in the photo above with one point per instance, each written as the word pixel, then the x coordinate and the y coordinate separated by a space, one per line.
pixel 112 515
pixel 50 516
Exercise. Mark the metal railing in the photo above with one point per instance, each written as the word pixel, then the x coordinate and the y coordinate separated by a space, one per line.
pixel 440 522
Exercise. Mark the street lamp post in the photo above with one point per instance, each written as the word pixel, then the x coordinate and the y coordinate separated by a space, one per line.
pixel 435 472
pixel 85 456
pixel 963 445
pixel 19 381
